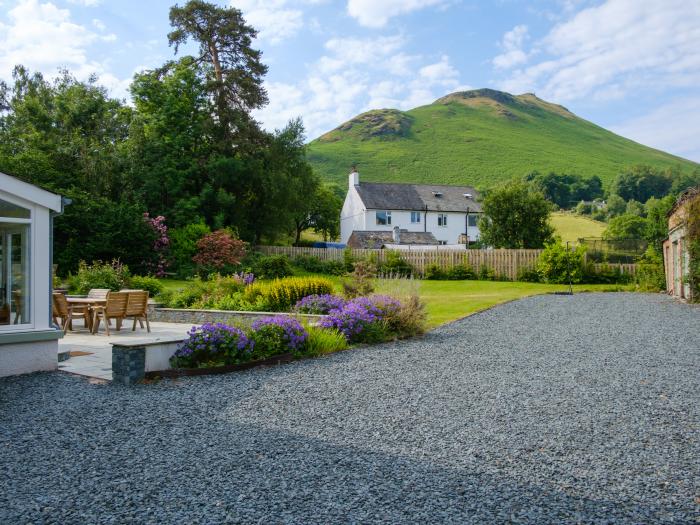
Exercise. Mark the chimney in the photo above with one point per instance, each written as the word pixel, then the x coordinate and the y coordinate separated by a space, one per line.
pixel 354 177
pixel 397 235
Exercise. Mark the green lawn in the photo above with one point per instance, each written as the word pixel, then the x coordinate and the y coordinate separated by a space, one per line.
pixel 450 300
pixel 571 227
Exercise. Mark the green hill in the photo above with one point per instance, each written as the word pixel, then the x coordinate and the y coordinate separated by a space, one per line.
pixel 479 138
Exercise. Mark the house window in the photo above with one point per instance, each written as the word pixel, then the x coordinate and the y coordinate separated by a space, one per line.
pixel 473 220
pixel 442 243
pixel 383 217
pixel 442 219
pixel 415 217
pixel 15 231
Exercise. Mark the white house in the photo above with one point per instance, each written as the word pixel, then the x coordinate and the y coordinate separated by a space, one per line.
pixel 28 339
pixel 450 213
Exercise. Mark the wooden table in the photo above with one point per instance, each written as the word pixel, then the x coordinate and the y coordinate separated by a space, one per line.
pixel 87 302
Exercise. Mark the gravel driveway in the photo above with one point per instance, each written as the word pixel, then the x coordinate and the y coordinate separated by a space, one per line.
pixel 551 409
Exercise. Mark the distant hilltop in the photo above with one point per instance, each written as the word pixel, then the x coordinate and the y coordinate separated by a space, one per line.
pixel 478 137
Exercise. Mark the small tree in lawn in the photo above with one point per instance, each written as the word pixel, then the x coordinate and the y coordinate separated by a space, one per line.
pixel 515 216
pixel 219 251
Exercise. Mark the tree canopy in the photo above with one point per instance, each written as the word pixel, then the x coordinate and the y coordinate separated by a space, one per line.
pixel 515 216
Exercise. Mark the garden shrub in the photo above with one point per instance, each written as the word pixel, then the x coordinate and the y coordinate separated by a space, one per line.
pixel 396 265
pixel 278 335
pixel 348 260
pixel 183 247
pixel 113 276
pixel 212 345
pixel 434 273
pixel 559 265
pixel 313 264
pixel 324 341
pixel 282 294
pixel 361 280
pixel 604 274
pixel 152 285
pixel 528 275
pixel 319 304
pixel 408 319
pixel 460 272
pixel 210 293
pixel 360 321
pixel 272 267
pixel 219 251
pixel 486 274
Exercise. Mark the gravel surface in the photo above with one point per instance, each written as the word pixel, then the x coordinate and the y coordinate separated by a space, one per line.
pixel 551 409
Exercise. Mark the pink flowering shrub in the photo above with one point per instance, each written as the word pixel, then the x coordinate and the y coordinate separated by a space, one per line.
pixel 161 243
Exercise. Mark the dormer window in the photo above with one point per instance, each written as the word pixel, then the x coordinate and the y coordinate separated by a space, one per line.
pixel 468 195
pixel 437 194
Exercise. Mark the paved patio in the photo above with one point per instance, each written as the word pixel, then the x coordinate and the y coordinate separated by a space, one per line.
pixel 97 349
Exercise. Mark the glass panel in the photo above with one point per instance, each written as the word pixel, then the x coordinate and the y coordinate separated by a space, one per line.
pixel 14 274
pixel 415 216
pixel 473 220
pixel 383 217
pixel 7 209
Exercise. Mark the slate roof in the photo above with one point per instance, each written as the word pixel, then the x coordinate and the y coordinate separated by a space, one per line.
pixel 388 196
pixel 370 240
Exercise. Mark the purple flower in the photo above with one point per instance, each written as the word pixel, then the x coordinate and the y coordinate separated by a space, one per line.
pixel 280 333
pixel 213 342
pixel 319 304
pixel 359 314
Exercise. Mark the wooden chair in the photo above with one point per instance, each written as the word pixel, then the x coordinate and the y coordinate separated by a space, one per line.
pixel 5 314
pixel 114 308
pixel 98 293
pixel 66 312
pixel 137 308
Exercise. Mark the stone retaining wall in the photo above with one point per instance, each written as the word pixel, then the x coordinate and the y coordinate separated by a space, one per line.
pixel 187 316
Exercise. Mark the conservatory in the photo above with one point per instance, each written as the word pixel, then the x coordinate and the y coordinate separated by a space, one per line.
pixel 28 339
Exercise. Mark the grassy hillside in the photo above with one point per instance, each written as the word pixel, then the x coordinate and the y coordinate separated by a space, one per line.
pixel 479 138
pixel 572 227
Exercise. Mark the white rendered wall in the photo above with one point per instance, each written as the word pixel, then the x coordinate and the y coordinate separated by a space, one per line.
pixel 352 216
pixel 449 234
pixel 24 358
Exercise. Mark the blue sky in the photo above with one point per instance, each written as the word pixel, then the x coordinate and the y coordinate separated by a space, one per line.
pixel 632 66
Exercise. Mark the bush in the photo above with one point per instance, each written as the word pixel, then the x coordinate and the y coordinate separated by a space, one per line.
pixel 360 321
pixel 209 293
pixel 604 275
pixel 183 247
pixel 282 294
pixel 528 275
pixel 408 320
pixel 113 276
pixel 361 280
pixel 395 265
pixel 219 251
pixel 324 341
pixel 460 272
pixel 213 345
pixel 559 265
pixel 272 267
pixel 278 335
pixel 316 265
pixel 486 274
pixel 152 285
pixel 319 304
pixel 434 273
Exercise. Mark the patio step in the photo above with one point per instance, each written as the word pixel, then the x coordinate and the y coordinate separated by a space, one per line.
pixel 63 355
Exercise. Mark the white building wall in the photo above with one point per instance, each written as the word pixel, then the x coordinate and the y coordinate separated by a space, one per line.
pixel 352 216
pixel 449 234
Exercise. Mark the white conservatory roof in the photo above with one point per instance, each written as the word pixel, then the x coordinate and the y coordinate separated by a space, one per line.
pixel 29 192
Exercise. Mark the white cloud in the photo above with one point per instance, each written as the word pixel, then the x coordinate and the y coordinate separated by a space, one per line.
pixel 86 3
pixel 273 19
pixel 512 46
pixel 670 127
pixel 44 38
pixel 628 44
pixel 354 76
pixel 376 13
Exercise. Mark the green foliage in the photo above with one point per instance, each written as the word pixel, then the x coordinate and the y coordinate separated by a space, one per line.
pixel 217 292
pixel 528 275
pixel 324 341
pixel 313 264
pixel 478 138
pixel 460 272
pixel 281 294
pixel 486 274
pixel 557 264
pixel 219 251
pixel 113 276
pixel 692 226
pixel 361 279
pixel 640 182
pixel 152 285
pixel 616 205
pixel 515 216
pixel 272 267
pixel 626 226
pixel 395 265
pixel 409 320
pixel 566 189
pixel 183 247
pixel 650 274
pixel 434 272
pixel 657 220
pixel 605 274
pixel 635 208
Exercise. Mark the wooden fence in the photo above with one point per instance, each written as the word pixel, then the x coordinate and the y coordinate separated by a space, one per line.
pixel 507 263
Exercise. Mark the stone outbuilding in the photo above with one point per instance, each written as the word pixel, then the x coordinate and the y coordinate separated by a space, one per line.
pixel 398 237
pixel 676 247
